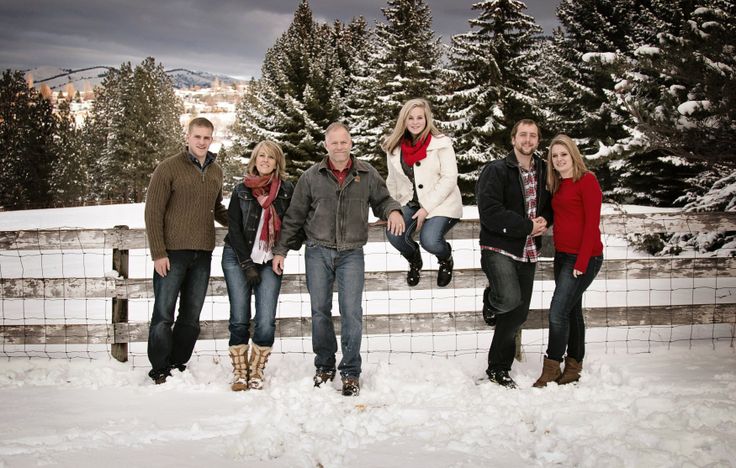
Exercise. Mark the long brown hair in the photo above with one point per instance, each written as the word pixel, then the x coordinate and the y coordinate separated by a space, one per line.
pixel 272 149
pixel 399 131
pixel 578 165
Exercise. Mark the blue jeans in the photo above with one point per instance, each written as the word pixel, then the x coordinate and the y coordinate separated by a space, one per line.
pixel 511 284
pixel 239 292
pixel 187 279
pixel 566 322
pixel 323 267
pixel 432 235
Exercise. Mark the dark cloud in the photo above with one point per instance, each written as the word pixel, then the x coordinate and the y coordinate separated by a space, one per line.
pixel 220 36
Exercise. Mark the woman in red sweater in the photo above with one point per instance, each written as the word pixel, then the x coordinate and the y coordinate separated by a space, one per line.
pixel 576 203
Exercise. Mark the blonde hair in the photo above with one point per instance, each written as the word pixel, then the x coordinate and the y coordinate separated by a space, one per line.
pixel 271 149
pixel 578 165
pixel 399 132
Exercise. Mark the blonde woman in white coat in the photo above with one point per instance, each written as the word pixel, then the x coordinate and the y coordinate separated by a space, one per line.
pixel 422 176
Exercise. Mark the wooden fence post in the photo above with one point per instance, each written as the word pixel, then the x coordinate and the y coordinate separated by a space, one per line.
pixel 120 258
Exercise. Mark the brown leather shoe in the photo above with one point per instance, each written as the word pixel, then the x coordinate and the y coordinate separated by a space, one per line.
pixel 322 376
pixel 350 386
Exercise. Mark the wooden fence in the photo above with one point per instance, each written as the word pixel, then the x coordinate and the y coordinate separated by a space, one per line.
pixel 120 240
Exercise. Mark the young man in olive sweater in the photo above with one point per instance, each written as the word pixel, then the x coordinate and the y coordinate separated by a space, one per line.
pixel 184 199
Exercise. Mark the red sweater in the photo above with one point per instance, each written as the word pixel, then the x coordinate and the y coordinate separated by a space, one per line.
pixel 577 214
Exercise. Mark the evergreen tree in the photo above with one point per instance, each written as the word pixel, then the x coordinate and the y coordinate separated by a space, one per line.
pixel 682 87
pixel 361 99
pixel 134 124
pixel 26 136
pixel 233 169
pixel 351 44
pixel 591 116
pixel 663 84
pixel 69 182
pixel 405 63
pixel 495 84
pixel 301 90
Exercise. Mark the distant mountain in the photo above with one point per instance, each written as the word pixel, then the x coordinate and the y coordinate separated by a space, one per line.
pixel 57 78
pixel 183 78
pixel 88 78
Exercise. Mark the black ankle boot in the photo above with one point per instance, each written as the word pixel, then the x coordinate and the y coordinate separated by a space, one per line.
pixel 415 266
pixel 489 313
pixel 444 275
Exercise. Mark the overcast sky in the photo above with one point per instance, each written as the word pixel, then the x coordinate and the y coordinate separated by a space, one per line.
pixel 219 36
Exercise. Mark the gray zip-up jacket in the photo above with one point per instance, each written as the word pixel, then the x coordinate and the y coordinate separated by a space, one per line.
pixel 334 216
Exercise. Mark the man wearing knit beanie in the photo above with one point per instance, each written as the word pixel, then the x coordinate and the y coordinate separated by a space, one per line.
pixel 184 199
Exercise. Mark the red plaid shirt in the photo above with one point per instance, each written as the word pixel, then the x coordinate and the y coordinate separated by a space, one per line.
pixel 340 175
pixel 529 179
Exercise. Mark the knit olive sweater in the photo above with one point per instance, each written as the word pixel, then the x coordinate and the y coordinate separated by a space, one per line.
pixel 182 204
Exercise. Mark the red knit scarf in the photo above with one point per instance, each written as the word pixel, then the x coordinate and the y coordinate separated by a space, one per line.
pixel 265 188
pixel 416 152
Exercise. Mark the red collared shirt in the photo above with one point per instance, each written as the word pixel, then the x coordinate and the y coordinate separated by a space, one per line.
pixel 341 175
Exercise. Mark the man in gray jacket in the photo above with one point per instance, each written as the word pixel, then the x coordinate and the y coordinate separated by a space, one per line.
pixel 330 204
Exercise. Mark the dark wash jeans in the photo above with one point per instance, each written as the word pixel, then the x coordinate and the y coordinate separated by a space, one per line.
pixel 431 236
pixel 239 292
pixel 511 285
pixel 566 322
pixel 324 266
pixel 187 280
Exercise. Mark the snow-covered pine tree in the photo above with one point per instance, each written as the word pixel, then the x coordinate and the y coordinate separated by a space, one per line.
pixel 405 63
pixel 683 64
pixel 361 100
pixel 258 116
pixel 134 124
pixel 300 92
pixel 495 83
pixel 682 86
pixel 69 181
pixel 233 168
pixel 350 42
pixel 98 125
pixel 355 45
pixel 602 27
pixel 26 135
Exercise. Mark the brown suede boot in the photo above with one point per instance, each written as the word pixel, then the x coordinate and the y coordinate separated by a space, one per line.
pixel 571 373
pixel 239 357
pixel 258 358
pixel 550 373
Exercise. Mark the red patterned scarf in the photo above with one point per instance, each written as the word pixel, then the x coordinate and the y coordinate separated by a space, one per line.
pixel 265 188
pixel 416 152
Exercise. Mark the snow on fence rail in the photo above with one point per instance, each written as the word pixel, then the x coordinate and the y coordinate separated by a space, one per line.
pixel 117 288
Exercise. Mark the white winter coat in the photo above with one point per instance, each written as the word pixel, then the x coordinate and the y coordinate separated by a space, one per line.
pixel 435 176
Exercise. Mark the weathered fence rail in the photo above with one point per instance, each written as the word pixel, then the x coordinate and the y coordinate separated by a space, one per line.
pixel 121 289
pixel 141 288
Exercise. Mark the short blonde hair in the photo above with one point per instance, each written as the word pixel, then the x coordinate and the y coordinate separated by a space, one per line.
pixel 271 149
pixel 200 122
pixel 399 131
pixel 578 165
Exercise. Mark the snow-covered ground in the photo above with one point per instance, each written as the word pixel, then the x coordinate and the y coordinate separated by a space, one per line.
pixel 650 396
pixel 674 405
